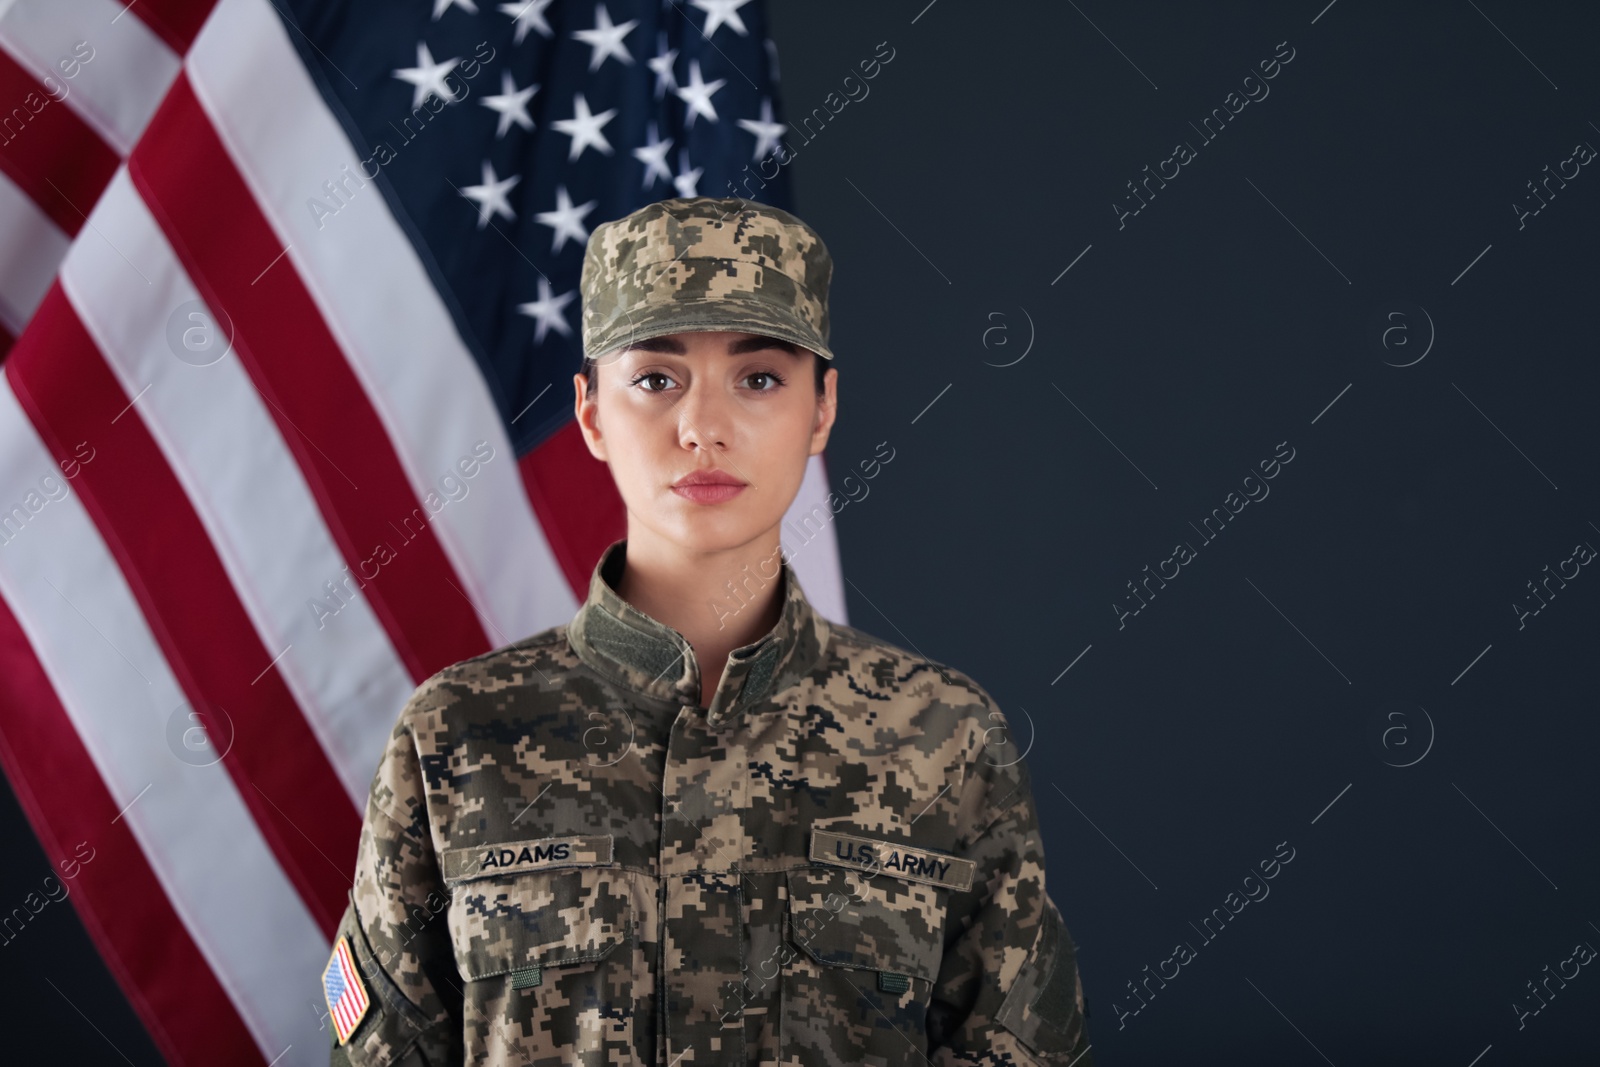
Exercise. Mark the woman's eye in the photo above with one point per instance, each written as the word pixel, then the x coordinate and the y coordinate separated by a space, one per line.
pixel 651 376
pixel 767 376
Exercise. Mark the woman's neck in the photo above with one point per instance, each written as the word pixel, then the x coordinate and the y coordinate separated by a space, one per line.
pixel 718 601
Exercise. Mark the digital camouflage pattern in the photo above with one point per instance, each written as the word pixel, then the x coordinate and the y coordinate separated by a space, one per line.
pixel 705 263
pixel 566 859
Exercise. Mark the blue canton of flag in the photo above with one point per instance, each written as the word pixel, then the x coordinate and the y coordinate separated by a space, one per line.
pixel 503 133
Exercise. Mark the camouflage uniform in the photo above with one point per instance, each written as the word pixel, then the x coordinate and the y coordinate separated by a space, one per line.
pixel 566 859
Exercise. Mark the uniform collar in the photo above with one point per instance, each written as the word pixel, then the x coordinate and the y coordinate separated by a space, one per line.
pixel 628 647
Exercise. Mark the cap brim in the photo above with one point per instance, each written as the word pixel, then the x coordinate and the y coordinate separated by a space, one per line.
pixel 706 302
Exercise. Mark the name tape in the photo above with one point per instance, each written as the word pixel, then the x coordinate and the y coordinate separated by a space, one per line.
pixel 515 857
pixel 878 856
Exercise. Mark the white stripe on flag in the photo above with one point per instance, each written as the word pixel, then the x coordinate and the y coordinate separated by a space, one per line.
pixel 202 843
pixel 381 305
pixel 118 89
pixel 226 450
pixel 811 543
pixel 30 247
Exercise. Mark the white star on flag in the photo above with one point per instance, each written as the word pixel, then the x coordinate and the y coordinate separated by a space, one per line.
pixel 687 181
pixel 661 64
pixel 653 155
pixel 720 11
pixel 511 104
pixel 427 77
pixel 529 15
pixel 605 39
pixel 566 220
pixel 441 6
pixel 547 311
pixel 584 128
pixel 491 195
pixel 767 131
pixel 697 94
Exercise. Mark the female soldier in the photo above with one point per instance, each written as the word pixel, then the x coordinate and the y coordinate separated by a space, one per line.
pixel 700 823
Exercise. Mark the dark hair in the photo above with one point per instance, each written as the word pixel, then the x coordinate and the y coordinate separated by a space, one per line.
pixel 818 362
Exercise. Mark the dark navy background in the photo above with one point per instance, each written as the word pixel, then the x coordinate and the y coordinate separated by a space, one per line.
pixel 1252 701
pixel 1193 738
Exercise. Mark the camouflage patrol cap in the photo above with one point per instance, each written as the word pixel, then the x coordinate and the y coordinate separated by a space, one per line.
pixel 705 263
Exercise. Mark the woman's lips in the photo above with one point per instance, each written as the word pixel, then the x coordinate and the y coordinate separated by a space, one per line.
pixel 709 492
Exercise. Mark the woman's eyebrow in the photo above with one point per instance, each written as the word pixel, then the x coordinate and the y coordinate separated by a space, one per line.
pixel 756 344
pixel 658 344
pixel 673 346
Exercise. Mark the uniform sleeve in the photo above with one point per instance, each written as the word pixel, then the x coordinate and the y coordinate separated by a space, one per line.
pixel 1008 991
pixel 395 928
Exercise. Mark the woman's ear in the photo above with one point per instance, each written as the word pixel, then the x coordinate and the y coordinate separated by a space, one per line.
pixel 588 416
pixel 827 410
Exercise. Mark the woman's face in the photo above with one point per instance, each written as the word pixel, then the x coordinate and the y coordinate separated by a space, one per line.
pixel 737 405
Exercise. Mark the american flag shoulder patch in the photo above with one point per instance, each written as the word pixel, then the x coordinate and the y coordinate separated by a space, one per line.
pixel 344 990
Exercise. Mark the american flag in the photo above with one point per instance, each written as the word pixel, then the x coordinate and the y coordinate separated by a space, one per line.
pixel 345 993
pixel 289 289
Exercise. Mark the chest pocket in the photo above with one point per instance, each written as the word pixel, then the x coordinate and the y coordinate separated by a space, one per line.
pixel 550 960
pixel 858 937
pixel 520 924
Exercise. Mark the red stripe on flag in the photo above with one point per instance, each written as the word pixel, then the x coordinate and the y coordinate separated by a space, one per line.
pixel 575 499
pixel 159 542
pixel 233 256
pixel 358 991
pixel 48 151
pixel 176 22
pixel 117 896
pixel 6 341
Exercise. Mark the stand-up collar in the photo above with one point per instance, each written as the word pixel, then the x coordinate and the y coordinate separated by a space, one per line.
pixel 630 648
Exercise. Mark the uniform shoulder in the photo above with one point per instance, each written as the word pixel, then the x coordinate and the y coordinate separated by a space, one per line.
pixel 932 703
pixel 889 664
pixel 537 654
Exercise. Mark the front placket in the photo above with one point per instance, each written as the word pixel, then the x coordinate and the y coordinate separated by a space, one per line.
pixel 705 846
pixel 719 900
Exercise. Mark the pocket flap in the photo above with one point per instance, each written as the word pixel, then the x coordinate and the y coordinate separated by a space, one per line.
pixel 546 918
pixel 871 922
